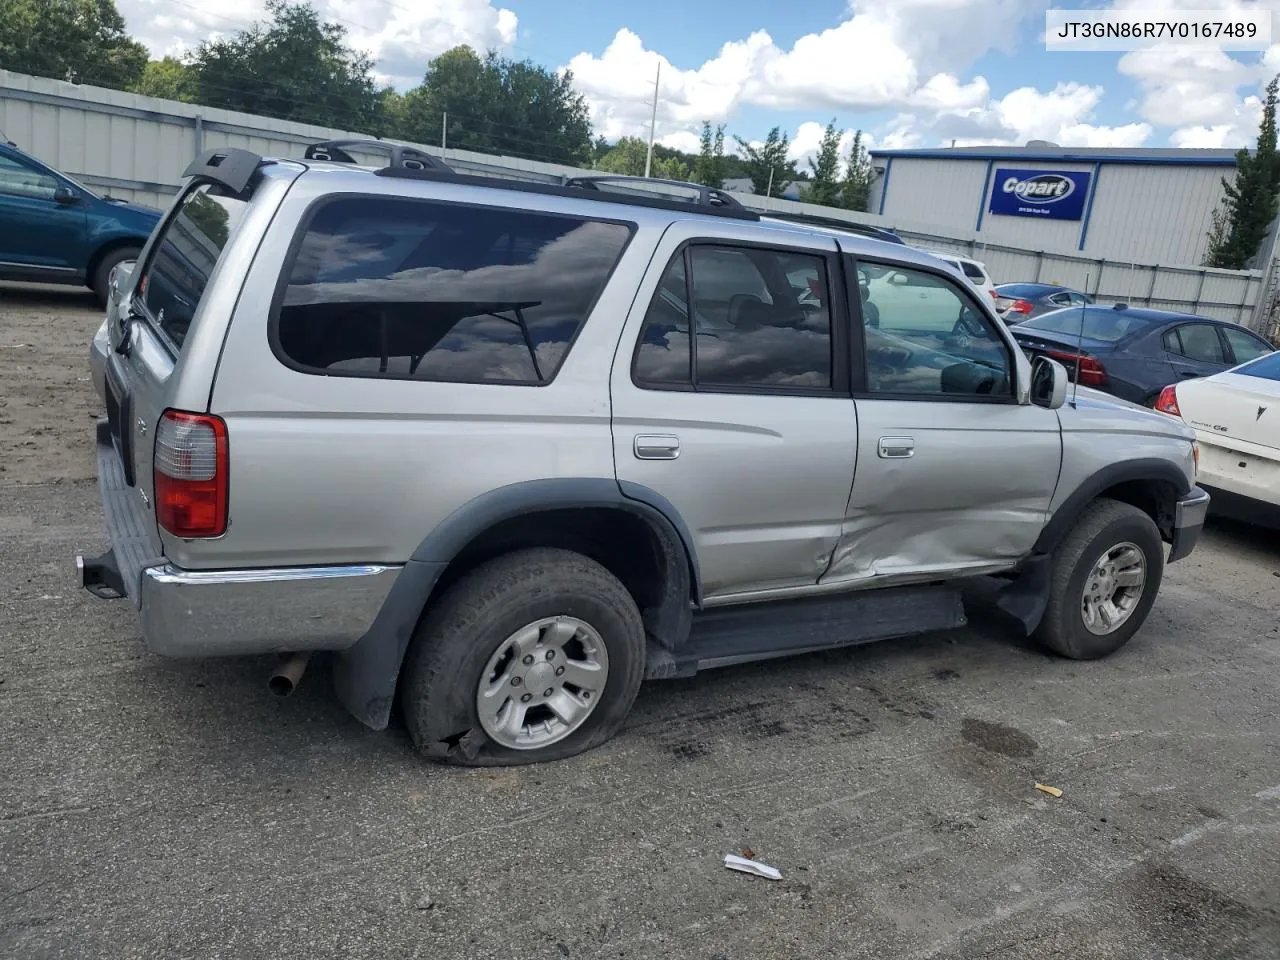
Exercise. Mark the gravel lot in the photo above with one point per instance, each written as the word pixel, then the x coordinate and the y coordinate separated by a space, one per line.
pixel 151 808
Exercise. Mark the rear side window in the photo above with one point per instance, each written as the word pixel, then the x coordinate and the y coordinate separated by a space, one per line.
pixel 972 270
pixel 762 321
pixel 175 277
pixel 1245 345
pixel 410 289
pixel 1196 341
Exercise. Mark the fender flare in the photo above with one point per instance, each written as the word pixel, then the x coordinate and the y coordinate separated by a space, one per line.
pixel 365 674
pixel 1026 598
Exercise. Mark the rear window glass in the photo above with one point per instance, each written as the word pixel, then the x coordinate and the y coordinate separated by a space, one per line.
pixel 1021 290
pixel 1266 368
pixel 1106 325
pixel 410 289
pixel 175 278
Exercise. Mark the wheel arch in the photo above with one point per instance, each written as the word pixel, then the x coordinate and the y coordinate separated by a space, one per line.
pixel 106 248
pixel 1150 484
pixel 632 530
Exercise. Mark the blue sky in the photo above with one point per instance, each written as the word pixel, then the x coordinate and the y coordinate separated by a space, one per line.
pixel 908 72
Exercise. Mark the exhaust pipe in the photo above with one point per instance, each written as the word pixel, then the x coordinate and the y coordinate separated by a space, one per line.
pixel 288 675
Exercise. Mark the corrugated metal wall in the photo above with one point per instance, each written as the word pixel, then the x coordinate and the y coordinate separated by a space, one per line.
pixel 1151 214
pixel 137 148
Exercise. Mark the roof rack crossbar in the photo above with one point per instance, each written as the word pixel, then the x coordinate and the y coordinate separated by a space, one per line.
pixel 409 158
pixel 706 196
pixel 732 210
pixel 230 167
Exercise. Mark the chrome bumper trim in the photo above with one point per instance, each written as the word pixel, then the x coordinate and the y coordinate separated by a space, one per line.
pixel 203 613
pixel 1188 520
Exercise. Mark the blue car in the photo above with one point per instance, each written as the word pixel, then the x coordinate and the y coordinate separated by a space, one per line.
pixel 54 230
pixel 1134 353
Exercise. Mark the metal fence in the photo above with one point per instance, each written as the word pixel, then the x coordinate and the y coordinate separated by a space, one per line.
pixel 137 147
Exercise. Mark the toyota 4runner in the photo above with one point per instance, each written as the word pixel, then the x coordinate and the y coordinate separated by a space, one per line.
pixel 506 449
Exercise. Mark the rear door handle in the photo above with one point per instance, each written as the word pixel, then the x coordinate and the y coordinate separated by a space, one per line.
pixel 897 448
pixel 648 446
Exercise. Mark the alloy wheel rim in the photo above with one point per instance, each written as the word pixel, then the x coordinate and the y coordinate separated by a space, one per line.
pixel 542 683
pixel 1113 588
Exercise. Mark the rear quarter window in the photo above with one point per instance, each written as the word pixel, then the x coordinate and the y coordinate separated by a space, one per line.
pixel 415 289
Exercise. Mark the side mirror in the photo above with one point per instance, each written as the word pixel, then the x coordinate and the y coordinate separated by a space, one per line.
pixel 65 197
pixel 1048 383
pixel 899 279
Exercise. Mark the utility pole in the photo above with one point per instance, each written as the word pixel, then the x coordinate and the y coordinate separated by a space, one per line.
pixel 653 121
pixel 444 132
pixel 769 189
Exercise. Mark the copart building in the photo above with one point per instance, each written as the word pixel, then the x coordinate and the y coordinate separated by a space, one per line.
pixel 1150 206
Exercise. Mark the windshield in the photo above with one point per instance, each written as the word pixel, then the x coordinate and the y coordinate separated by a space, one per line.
pixel 1106 325
pixel 1266 368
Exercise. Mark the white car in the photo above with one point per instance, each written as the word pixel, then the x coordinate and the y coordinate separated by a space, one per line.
pixel 1236 417
pixel 975 271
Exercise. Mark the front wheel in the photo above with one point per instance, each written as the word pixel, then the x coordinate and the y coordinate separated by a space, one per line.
pixel 537 655
pixel 1106 575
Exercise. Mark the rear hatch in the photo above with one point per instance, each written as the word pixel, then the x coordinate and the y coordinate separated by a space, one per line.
pixel 153 329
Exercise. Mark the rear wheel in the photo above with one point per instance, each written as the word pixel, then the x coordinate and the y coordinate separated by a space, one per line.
pixel 105 272
pixel 1106 575
pixel 537 655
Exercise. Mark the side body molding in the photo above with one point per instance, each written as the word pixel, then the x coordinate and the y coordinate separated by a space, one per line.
pixel 366 673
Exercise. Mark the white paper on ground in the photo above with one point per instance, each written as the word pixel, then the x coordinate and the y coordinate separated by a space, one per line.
pixel 734 862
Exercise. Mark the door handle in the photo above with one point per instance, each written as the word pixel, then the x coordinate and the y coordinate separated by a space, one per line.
pixel 897 448
pixel 648 446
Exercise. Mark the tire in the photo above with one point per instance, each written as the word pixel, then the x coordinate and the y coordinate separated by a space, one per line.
pixel 1103 526
pixel 480 618
pixel 102 274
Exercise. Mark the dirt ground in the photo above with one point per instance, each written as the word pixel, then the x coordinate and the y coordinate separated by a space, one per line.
pixel 152 808
pixel 47 403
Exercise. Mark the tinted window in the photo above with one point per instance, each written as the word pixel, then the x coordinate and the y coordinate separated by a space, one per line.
pixel 1102 323
pixel 1061 299
pixel 19 180
pixel 1268 367
pixel 431 291
pixel 924 337
pixel 1021 291
pixel 1245 345
pixel 1199 341
pixel 175 277
pixel 762 319
pixel 972 270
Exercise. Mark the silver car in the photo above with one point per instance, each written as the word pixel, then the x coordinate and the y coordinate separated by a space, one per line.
pixel 504 450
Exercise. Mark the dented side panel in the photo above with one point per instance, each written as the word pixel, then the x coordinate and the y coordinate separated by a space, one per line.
pixel 972 497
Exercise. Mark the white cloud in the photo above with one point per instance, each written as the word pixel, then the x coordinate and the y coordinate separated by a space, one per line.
pixel 1242 130
pixel 402 36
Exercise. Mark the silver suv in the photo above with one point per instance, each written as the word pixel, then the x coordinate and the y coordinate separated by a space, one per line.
pixel 507 449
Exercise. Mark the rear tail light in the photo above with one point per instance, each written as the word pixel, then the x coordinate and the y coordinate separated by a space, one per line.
pixel 191 475
pixel 1167 402
pixel 1092 372
pixel 1022 306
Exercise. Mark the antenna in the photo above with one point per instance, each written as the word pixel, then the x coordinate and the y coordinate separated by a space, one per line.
pixel 1075 382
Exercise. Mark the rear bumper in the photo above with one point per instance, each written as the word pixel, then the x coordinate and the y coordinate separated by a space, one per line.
pixel 203 613
pixel 1188 521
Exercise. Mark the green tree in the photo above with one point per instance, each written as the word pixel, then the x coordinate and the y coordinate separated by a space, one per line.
pixel 708 168
pixel 502 106
pixel 1241 224
pixel 294 66
pixel 169 79
pixel 825 188
pixel 767 165
pixel 855 190
pixel 627 157
pixel 79 40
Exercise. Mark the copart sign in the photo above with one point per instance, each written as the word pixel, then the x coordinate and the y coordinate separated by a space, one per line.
pixel 1052 194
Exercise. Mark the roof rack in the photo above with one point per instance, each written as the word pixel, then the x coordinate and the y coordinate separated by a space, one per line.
pixel 817 220
pixel 706 196
pixel 579 191
pixel 230 167
pixel 410 158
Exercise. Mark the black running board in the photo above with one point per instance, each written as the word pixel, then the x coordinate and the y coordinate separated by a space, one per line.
pixel 725 636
